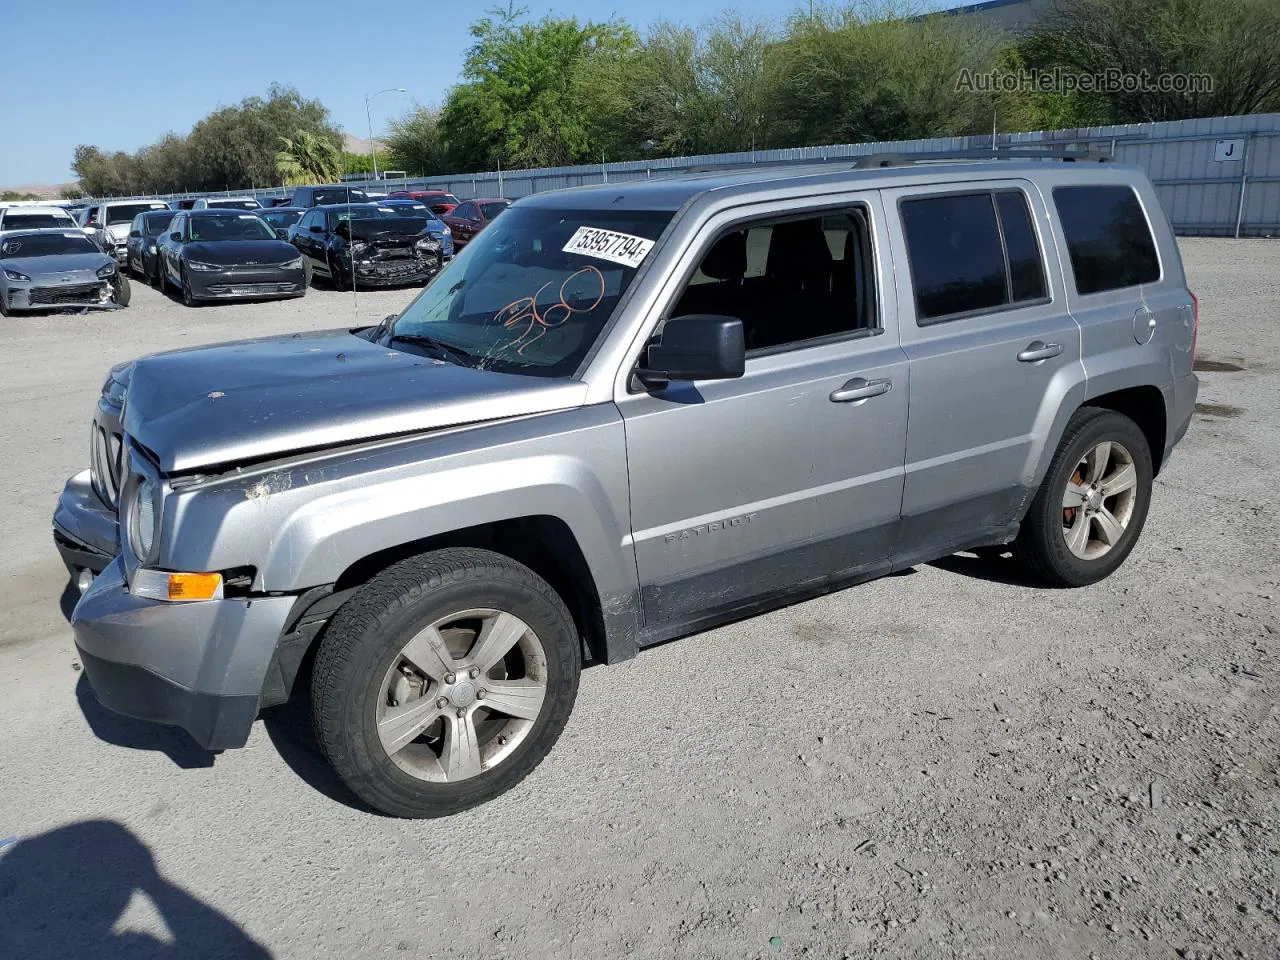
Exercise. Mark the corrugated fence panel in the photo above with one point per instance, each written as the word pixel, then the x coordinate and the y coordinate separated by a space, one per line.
pixel 1200 194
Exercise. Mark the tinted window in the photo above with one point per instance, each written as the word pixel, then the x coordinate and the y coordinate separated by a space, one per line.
pixel 281 218
pixel 466 211
pixel 124 213
pixel 788 281
pixel 491 210
pixel 230 226
pixel 1026 268
pixel 153 224
pixel 957 260
pixel 1107 236
pixel 339 195
pixel 35 221
pixel 237 204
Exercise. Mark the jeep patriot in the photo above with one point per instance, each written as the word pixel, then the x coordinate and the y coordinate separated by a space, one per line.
pixel 624 414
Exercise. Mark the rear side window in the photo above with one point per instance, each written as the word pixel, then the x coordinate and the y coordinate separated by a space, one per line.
pixel 1107 236
pixel 970 253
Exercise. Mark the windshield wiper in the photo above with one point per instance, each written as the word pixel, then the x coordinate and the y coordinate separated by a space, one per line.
pixel 452 354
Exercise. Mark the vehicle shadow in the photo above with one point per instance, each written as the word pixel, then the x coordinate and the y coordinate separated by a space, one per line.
pixel 62 894
pixel 122 731
pixel 993 564
pixel 70 597
pixel 289 728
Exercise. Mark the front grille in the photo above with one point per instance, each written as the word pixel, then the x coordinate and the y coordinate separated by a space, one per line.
pixel 251 289
pixel 105 464
pixel 70 294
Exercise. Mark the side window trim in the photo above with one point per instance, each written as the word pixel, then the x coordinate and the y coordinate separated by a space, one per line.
pixel 971 191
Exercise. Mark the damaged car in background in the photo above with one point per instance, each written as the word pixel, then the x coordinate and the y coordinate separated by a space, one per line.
pixel 57 269
pixel 367 245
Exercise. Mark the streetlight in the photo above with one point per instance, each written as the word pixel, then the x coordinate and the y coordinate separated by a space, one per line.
pixel 369 116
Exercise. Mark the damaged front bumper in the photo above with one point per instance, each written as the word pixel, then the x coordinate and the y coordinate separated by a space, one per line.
pixel 199 666
pixel 85 529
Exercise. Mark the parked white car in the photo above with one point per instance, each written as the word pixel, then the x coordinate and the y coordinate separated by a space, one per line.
pixel 227 203
pixel 24 217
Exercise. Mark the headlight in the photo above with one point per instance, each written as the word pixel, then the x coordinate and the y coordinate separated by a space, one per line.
pixel 359 247
pixel 108 271
pixel 202 267
pixel 144 520
pixel 15 275
pixel 447 232
pixel 294 264
pixel 428 244
pixel 151 249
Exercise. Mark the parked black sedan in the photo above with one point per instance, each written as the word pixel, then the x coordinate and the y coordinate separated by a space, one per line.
pixel 280 219
pixel 367 245
pixel 140 249
pixel 228 255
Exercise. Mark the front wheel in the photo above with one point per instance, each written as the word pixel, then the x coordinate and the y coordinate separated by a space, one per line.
pixel 444 681
pixel 122 290
pixel 188 296
pixel 1093 502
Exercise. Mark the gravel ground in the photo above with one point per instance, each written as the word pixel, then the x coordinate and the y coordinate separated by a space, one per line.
pixel 945 763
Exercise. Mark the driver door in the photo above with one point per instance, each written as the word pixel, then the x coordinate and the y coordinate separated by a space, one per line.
pixel 789 480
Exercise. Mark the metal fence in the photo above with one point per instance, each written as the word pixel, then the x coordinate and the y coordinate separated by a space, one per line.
pixel 1217 176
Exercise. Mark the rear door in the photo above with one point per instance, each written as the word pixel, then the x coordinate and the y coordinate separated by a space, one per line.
pixel 993 352
pixel 789 479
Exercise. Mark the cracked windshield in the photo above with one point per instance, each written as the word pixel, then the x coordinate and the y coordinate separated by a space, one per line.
pixel 533 291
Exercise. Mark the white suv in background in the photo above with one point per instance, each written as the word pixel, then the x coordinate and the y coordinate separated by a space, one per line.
pixel 108 223
pixel 229 203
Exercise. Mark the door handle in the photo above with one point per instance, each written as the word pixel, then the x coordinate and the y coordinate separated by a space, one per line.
pixel 859 389
pixel 1038 350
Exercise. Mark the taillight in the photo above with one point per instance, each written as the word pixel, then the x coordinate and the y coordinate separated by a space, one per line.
pixel 1195 325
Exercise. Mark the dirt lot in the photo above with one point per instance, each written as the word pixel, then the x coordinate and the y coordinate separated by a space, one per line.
pixel 946 763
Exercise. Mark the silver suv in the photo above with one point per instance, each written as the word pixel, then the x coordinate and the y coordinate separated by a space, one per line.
pixel 624 414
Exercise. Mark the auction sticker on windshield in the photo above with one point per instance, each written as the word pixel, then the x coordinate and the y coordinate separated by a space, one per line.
pixel 620 248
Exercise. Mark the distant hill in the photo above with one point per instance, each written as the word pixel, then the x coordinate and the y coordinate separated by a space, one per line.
pixel 360 145
pixel 41 191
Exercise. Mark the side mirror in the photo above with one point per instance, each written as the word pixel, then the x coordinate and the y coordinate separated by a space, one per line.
pixel 282 233
pixel 698 346
pixel 135 233
pixel 175 237
pixel 317 228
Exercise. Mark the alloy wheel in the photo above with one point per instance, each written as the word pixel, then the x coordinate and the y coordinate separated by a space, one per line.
pixel 1099 500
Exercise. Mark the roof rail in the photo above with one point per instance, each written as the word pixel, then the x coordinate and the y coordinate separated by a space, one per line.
pixel 874 160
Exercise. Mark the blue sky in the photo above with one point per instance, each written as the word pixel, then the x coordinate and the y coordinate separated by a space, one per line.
pixel 167 64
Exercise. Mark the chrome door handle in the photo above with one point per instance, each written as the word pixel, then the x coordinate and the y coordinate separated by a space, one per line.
pixel 859 389
pixel 1038 350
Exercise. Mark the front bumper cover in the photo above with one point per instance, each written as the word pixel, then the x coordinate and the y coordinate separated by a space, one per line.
pixel 199 666
pixel 247 283
pixel 85 529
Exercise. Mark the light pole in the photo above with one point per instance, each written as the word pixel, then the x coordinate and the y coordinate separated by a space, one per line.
pixel 368 115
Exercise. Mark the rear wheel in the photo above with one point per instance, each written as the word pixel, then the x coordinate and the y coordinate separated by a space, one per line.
pixel 1093 502
pixel 444 681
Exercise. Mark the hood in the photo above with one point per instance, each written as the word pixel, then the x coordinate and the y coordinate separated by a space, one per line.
pixel 387 228
pixel 214 406
pixel 240 252
pixel 118 231
pixel 79 266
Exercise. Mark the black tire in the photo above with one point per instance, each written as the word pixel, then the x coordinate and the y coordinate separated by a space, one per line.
pixel 123 290
pixel 1041 546
pixel 188 297
pixel 364 640
pixel 335 275
pixel 4 307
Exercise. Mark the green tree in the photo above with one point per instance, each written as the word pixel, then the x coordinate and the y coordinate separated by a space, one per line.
pixel 1233 42
pixel 414 144
pixel 865 73
pixel 308 158
pixel 515 103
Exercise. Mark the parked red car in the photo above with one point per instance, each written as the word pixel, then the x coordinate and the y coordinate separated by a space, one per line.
pixel 470 217
pixel 438 201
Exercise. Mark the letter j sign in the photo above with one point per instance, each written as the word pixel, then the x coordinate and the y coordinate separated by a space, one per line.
pixel 1228 150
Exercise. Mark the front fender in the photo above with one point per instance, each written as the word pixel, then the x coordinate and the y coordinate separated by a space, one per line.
pixel 304 521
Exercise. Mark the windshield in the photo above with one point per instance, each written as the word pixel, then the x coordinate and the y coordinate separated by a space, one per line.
pixel 411 210
pixel 361 213
pixel 444 198
pixel 339 195
pixel 281 218
pixel 153 224
pixel 531 294
pixel 491 210
pixel 36 221
pixel 125 212
pixel 243 203
pixel 47 245
pixel 230 226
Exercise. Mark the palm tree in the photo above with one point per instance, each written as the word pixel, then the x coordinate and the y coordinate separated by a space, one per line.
pixel 308 158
